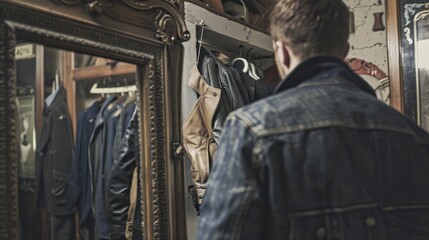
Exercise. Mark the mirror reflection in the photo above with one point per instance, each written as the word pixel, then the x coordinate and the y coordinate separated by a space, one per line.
pixel 421 25
pixel 78 145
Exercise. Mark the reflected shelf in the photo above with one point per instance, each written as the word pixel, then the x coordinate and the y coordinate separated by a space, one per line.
pixel 92 72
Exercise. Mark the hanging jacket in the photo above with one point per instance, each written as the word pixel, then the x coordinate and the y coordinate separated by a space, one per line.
pixel 256 89
pixel 80 183
pixel 221 91
pixel 219 76
pixel 198 131
pixel 97 155
pixel 120 178
pixel 54 157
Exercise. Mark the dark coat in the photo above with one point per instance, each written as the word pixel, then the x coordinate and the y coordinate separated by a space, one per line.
pixel 97 156
pixel 119 180
pixel 237 88
pixel 218 75
pixel 54 158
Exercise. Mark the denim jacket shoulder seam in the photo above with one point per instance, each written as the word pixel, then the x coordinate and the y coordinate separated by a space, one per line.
pixel 324 124
pixel 246 121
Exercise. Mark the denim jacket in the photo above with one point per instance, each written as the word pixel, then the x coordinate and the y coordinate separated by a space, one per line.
pixel 320 159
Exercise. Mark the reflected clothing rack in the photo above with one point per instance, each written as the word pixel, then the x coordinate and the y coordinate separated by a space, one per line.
pixel 102 127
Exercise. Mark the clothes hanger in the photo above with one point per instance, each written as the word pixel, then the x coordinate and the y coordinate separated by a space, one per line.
pixel 241 64
pixel 253 72
pixel 55 87
pixel 57 80
pixel 199 42
pixel 258 67
pixel 131 94
pixel 252 69
pixel 95 89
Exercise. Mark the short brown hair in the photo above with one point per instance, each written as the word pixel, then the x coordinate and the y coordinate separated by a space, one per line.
pixel 311 27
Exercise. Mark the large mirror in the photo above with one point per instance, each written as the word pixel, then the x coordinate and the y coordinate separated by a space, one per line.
pixel 421 38
pixel 78 144
pixel 89 119
pixel 411 84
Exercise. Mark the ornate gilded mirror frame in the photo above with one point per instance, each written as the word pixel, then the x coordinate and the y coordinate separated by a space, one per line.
pixel 147 33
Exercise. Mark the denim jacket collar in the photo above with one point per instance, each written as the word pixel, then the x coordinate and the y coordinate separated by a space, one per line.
pixel 322 67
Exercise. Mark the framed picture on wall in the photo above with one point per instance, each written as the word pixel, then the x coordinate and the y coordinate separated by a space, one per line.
pixel 26 135
pixel 409 30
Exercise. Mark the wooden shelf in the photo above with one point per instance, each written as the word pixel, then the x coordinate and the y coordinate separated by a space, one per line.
pixel 206 6
pixel 103 71
pixel 226 35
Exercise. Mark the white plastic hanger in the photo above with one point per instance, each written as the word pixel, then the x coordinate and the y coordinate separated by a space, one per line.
pixel 252 69
pixel 119 89
pixel 55 87
pixel 237 61
pixel 57 80
pixel 253 72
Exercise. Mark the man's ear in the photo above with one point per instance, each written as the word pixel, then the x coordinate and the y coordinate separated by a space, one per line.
pixel 283 53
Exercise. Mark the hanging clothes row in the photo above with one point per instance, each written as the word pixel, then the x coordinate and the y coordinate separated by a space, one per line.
pixel 223 86
pixel 105 159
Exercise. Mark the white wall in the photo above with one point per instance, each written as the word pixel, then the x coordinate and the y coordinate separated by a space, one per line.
pixel 364 42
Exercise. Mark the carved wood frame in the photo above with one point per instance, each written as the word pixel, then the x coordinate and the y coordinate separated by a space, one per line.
pixel 159 59
pixel 393 44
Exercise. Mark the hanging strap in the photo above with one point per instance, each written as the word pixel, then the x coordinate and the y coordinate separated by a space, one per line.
pixel 132 209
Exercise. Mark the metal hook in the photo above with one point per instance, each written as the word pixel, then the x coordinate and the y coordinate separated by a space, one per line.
pixel 248 53
pixel 240 47
pixel 200 42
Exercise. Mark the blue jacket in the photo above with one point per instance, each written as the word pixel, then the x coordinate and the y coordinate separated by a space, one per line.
pixel 320 159
pixel 80 182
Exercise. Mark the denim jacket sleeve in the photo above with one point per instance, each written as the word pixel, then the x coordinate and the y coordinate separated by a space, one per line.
pixel 232 207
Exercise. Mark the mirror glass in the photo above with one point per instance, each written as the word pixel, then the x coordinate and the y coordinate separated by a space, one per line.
pixel 421 29
pixel 78 145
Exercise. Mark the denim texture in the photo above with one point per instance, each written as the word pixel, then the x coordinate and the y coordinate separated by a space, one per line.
pixel 322 158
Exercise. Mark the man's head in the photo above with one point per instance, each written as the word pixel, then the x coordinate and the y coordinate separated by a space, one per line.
pixel 304 28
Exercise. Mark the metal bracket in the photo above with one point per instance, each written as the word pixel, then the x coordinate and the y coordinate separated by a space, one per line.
pixel 178 150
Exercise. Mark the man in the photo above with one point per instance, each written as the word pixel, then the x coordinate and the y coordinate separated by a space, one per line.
pixel 322 158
